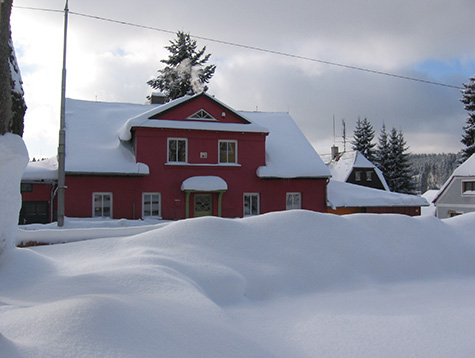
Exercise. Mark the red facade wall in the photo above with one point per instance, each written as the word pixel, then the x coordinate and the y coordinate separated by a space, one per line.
pixel 151 148
pixel 166 178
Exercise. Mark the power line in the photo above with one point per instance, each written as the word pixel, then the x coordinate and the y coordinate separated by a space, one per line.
pixel 254 48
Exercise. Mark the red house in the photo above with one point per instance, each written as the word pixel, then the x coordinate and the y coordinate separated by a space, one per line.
pixel 193 156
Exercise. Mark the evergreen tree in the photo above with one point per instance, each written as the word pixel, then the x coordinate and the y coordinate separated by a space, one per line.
pixel 5 75
pixel 382 154
pixel 185 72
pixel 18 100
pixel 468 138
pixel 363 139
pixel 399 175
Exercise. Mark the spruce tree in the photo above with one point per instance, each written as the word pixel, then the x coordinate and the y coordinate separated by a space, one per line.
pixel 18 100
pixel 5 75
pixel 399 176
pixel 468 138
pixel 185 72
pixel 382 155
pixel 363 139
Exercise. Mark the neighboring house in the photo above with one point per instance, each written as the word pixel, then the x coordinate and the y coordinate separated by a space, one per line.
pixel 346 198
pixel 353 167
pixel 38 185
pixel 457 195
pixel 190 157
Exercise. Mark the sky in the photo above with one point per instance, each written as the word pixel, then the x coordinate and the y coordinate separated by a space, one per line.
pixel 107 61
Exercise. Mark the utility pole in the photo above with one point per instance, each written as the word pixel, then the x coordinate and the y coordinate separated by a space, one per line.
pixel 62 129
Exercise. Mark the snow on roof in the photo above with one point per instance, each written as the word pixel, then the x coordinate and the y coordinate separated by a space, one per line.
pixel 45 170
pixel 143 120
pixel 204 183
pixel 341 194
pixel 288 152
pixel 92 138
pixel 98 135
pixel 342 167
pixel 466 169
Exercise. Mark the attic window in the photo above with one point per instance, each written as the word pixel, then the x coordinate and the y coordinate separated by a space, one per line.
pixel 202 115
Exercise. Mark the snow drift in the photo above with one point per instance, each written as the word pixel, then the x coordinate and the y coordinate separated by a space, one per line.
pixel 288 284
pixel 13 161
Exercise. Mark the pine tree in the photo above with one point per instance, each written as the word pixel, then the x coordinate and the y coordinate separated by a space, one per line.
pixel 185 72
pixel 468 138
pixel 399 175
pixel 363 139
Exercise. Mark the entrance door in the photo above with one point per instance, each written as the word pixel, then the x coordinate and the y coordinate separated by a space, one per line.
pixel 203 205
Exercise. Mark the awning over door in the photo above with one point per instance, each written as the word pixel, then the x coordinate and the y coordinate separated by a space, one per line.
pixel 204 184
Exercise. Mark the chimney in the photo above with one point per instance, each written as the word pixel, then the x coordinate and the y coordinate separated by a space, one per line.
pixel 158 98
pixel 334 152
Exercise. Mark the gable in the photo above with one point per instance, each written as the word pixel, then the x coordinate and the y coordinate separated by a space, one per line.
pixel 201 107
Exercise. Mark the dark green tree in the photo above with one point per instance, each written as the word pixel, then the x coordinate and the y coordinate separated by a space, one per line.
pixel 185 72
pixel 468 138
pixel 382 154
pixel 399 176
pixel 18 100
pixel 363 139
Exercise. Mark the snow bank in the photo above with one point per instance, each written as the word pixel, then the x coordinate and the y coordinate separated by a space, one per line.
pixel 288 284
pixel 13 160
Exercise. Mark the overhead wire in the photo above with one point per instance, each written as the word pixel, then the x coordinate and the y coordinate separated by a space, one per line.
pixel 249 47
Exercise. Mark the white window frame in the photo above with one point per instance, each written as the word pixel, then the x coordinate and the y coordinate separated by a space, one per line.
pixel 102 194
pixel 168 149
pixel 293 205
pixel 468 192
pixel 369 175
pixel 357 175
pixel 251 195
pixel 227 152
pixel 144 215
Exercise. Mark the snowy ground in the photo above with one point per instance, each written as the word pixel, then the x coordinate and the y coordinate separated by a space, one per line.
pixel 289 284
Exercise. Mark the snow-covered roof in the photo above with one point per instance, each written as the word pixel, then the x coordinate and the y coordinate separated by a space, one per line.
pixel 466 169
pixel 98 138
pixel 288 152
pixel 44 170
pixel 204 183
pixel 92 138
pixel 342 167
pixel 340 194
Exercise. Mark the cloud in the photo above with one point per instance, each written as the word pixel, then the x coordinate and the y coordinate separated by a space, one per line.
pixel 113 62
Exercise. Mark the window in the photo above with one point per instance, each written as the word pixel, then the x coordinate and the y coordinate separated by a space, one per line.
pixel 227 151
pixel 369 176
pixel 294 201
pixel 177 150
pixel 468 187
pixel 26 187
pixel 251 204
pixel 151 205
pixel 358 176
pixel 102 205
pixel 202 115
